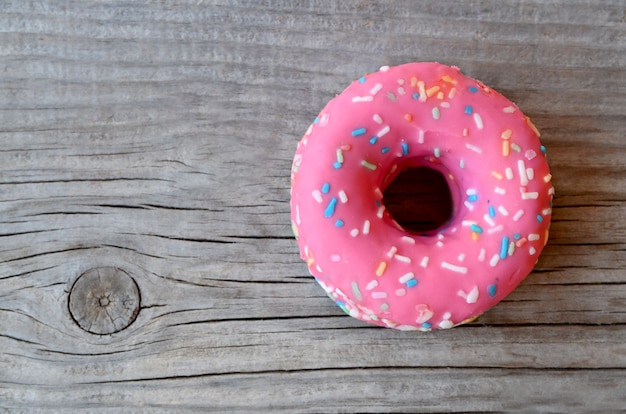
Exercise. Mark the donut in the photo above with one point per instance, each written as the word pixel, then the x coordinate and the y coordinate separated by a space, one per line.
pixel 410 116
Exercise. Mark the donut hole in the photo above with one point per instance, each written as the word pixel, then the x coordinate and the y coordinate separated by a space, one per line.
pixel 419 199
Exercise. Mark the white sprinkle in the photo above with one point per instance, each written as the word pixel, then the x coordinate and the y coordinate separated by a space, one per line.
pixel 376 88
pixel 451 93
pixel 383 131
pixel 503 210
pixel 354 312
pixel 380 212
pixel 469 205
pixel 508 110
pixel 481 255
pixel 378 193
pixel 494 260
pixel 546 211
pixel 530 173
pixel 424 262
pixel 496 229
pixel 379 295
pixel 439 244
pixel 384 68
pixel 406 277
pixel 472 297
pixel 445 104
pixel 454 268
pixel 518 215
pixel 317 195
pixel 533 237
pixel 461 257
pixel 509 173
pixel 343 197
pixel 298 220
pixel 478 120
pixel 532 251
pixel 474 148
pixel 319 269
pixel 530 195
pixel 470 191
pixel 371 285
pixel 551 191
pixel 363 99
pixel 420 137
pixel 400 90
pixel 467 223
pixel 392 251
pixel 499 190
pixel 547 178
pixel 354 232
pixel 366 227
pixel 440 236
pixel 521 168
pixel 530 154
pixel 377 119
pixel 400 292
pixel 489 220
pixel 403 259
pixel 335 258
pixel 409 240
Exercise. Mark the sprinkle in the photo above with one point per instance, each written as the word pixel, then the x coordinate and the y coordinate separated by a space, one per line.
pixel 443 104
pixel 367 98
pixel 401 91
pixel 496 229
pixel 470 191
pixel 515 147
pixel 505 148
pixel 533 237
pixel 521 242
pixel 461 257
pixel 539 218
pixel 491 290
pixel 416 95
pixel 377 119
pixel 530 154
pixel 378 193
pixel 435 112
pixel 382 266
pixel 503 211
pixel 530 195
pixel 472 198
pixel 372 284
pixel 339 155
pixel 543 150
pixel 373 140
pixel 494 260
pixel 406 277
pixel 499 190
pixel 343 197
pixel 509 173
pixel 437 152
pixel 400 292
pixel 330 209
pixel 468 110
pixel 489 220
pixel 392 251
pixel 454 268
pixel 362 79
pixel 380 212
pixel 411 283
pixel 408 117
pixel 325 188
pixel 517 236
pixel 469 206
pixel 476 228
pixel 391 96
pixel 461 163
pixel 546 211
pixel 431 91
pixel 474 148
pixel 384 68
pixel 298 219
pixel 481 255
pixel 339 223
pixel 547 178
pixel 492 211
pixel 447 78
pixel 384 150
pixel 383 131
pixel 466 132
pixel 532 251
pixel 508 110
pixel 366 227
pixel 420 136
pixel 403 259
pixel 424 262
pixel 368 165
pixel 317 195
pixel 379 295
pixel 504 247
pixel 472 89
pixel 358 132
pixel 376 88
pixel 472 297
pixel 532 126
pixel 530 173
pixel 521 168
pixel 337 165
pixel 478 121
pixel 518 215
pixel 497 175
pixel 354 232
pixel 407 239
pixel 451 93
pixel 551 191
pixel 506 134
pixel 356 291
pixel 405 148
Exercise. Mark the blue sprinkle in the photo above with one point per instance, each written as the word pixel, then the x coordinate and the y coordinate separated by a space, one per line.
pixel 504 248
pixel 543 149
pixel 405 148
pixel 316 120
pixel 330 208
pixel 473 197
pixel 468 109
pixel 416 95
pixel 426 325
pixel 337 165
pixel 362 79
pixel 492 212
pixel 325 188
pixel 384 150
pixel 411 283
pixel 492 289
pixel 339 223
pixel 373 140
pixel 359 131
pixel 539 218
pixel 377 203
pixel 472 89
pixel 517 236
pixel 475 228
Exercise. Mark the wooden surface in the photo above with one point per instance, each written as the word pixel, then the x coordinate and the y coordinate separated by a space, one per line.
pixel 157 138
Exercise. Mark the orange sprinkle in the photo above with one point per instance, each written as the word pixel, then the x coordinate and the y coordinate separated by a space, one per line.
pixel 381 268
pixel 414 81
pixel 521 242
pixel 447 78
pixel 505 148
pixel 431 91
pixel 346 147
pixel 506 134
pixel 465 132
pixel 532 126
pixel 408 117
pixel 497 175
pixel 474 235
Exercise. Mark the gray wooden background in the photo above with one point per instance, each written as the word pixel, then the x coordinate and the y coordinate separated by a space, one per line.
pixel 157 138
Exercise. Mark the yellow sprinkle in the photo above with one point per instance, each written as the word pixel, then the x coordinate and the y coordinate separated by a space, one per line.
pixel 440 96
pixel 505 148
pixel 431 91
pixel 497 175
pixel 381 268
pixel 422 91
pixel 368 165
pixel 506 134
pixel 447 78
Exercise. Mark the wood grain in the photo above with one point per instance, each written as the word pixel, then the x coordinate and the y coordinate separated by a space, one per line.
pixel 157 138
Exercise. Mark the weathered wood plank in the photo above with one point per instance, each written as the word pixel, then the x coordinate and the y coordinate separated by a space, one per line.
pixel 157 138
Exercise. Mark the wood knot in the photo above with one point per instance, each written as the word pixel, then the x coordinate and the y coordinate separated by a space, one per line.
pixel 104 300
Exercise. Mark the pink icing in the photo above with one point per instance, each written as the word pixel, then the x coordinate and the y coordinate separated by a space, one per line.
pixel 420 114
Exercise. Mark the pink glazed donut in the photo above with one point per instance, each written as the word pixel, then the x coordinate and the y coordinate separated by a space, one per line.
pixel 409 116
